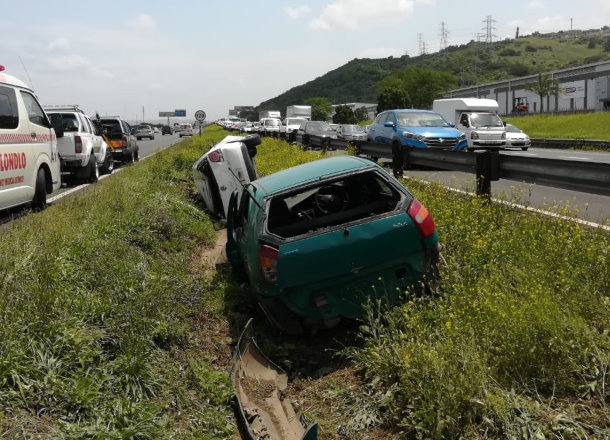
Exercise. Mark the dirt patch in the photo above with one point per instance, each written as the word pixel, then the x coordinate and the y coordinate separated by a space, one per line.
pixel 207 257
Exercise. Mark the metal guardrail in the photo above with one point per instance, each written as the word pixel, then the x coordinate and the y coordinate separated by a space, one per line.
pixel 491 166
pixel 487 165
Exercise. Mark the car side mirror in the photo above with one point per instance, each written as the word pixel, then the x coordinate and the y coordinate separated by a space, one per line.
pixel 452 125
pixel 388 124
pixel 57 124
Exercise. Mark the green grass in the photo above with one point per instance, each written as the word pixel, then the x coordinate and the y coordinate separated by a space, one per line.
pixel 101 313
pixel 579 126
pixel 517 343
pixel 95 300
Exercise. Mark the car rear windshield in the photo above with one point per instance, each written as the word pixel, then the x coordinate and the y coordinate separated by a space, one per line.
pixel 331 203
pixel 112 128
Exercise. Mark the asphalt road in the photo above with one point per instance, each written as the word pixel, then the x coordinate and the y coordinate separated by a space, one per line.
pixel 590 207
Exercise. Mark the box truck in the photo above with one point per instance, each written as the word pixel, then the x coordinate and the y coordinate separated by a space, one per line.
pixel 269 114
pixel 298 111
pixel 477 118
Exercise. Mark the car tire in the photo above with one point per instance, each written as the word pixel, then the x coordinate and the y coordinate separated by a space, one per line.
pixel 108 165
pixel 523 148
pixel 39 202
pixel 93 171
pixel 137 155
pixel 139 139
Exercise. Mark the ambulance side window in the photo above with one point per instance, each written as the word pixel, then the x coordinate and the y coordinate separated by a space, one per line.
pixel 35 112
pixel 9 117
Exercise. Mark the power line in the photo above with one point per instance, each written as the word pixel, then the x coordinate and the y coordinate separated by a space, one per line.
pixel 422 44
pixel 489 29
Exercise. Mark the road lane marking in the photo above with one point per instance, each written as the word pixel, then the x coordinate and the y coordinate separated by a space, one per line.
pixel 574 158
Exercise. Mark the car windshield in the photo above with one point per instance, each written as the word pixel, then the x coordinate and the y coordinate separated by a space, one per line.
pixel 486 120
pixel 330 203
pixel 424 119
pixel 352 128
pixel 318 126
pixel 69 122
pixel 272 122
pixel 512 129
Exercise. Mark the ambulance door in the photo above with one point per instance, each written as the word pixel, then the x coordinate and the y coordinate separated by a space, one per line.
pixel 15 150
pixel 42 142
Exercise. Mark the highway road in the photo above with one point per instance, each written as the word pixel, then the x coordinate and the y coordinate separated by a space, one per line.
pixel 591 207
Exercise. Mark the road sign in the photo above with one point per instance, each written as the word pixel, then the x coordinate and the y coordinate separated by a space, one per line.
pixel 200 115
pixel 165 114
pixel 179 112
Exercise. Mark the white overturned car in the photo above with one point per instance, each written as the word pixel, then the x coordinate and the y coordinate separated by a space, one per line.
pixel 224 168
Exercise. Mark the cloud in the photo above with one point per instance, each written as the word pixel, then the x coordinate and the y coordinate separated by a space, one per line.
pixel 59 44
pixel 297 11
pixel 143 22
pixel 350 14
pixel 535 4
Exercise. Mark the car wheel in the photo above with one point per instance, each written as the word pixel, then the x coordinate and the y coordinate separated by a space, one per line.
pixel 94 171
pixel 39 202
pixel 108 165
pixel 524 148
pixel 137 155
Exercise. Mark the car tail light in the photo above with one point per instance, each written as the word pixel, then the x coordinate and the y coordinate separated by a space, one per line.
pixel 267 263
pixel 215 156
pixel 422 218
pixel 124 141
pixel 78 144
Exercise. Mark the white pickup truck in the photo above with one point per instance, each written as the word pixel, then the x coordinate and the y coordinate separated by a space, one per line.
pixel 82 150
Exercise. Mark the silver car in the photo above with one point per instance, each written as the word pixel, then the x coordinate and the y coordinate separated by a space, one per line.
pixel 515 138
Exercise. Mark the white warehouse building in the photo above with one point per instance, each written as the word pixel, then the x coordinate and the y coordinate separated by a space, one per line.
pixel 582 88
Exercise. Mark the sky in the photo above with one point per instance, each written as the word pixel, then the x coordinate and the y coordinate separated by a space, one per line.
pixel 136 58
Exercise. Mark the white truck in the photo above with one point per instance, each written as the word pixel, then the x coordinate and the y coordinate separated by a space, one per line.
pixel 477 118
pixel 269 114
pixel 298 111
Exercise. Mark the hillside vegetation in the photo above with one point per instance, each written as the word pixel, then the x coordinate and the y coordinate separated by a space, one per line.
pixel 472 63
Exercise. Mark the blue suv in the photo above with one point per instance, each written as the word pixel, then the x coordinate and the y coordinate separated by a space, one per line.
pixel 416 128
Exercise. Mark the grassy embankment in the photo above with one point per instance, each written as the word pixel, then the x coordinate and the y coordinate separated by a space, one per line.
pixel 100 311
pixel 103 325
pixel 579 126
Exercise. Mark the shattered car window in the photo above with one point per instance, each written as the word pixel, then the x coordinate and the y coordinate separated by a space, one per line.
pixel 331 203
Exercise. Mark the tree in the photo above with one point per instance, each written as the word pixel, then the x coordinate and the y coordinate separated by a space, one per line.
pixel 361 114
pixel 344 115
pixel 420 86
pixel 391 98
pixel 320 108
pixel 545 86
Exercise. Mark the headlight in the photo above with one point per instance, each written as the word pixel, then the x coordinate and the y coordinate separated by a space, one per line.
pixel 410 135
pixel 503 136
pixel 474 135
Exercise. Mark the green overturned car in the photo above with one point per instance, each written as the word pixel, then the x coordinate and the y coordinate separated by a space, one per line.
pixel 316 241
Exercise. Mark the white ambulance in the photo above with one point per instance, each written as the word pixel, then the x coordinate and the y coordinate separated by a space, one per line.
pixel 29 163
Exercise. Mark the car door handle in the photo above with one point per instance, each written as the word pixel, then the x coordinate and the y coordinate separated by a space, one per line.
pixel 33 134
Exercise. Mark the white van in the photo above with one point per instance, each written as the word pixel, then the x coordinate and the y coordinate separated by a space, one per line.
pixel 477 118
pixel 29 162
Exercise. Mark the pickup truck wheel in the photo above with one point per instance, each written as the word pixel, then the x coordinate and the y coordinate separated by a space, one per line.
pixel 108 165
pixel 39 202
pixel 94 171
pixel 136 156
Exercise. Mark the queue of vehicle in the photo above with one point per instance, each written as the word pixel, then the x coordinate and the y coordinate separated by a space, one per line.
pixel 42 147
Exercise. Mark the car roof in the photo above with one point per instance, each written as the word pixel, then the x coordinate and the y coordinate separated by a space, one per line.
pixel 13 81
pixel 310 171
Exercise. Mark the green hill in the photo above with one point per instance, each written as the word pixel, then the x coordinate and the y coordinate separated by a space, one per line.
pixel 472 63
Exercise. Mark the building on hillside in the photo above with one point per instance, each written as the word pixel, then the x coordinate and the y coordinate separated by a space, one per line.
pixel 581 88
pixel 371 109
